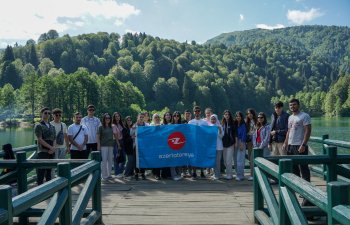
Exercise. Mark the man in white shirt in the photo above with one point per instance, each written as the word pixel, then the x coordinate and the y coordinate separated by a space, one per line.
pixel 298 135
pixel 92 123
pixel 198 122
pixel 62 142
pixel 78 137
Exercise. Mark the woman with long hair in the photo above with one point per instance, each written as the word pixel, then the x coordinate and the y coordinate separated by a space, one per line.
pixel 214 121
pixel 261 136
pixel 240 145
pixel 140 122
pixel 105 144
pixel 228 140
pixel 167 118
pixel 176 118
pixel 176 171
pixel 128 147
pixel 250 120
pixel 147 118
pixel 118 151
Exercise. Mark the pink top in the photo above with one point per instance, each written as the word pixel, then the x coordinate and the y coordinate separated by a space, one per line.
pixel 117 130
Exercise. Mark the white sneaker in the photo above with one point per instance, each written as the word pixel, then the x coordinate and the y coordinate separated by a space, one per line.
pixel 250 178
pixel 239 179
pixel 119 176
pixel 228 177
pixel 177 178
pixel 214 177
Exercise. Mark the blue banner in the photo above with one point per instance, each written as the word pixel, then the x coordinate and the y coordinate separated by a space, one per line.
pixel 176 145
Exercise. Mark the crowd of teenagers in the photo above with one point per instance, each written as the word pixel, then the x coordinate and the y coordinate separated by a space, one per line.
pixel 114 136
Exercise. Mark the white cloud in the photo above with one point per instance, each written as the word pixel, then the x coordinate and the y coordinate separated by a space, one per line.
pixel 268 27
pixel 33 18
pixel 300 17
pixel 241 17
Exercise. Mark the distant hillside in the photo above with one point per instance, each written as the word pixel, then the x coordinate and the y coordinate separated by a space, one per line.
pixel 331 42
pixel 232 71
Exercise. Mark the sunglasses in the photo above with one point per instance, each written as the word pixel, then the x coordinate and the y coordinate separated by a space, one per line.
pixel 196 110
pixel 47 113
pixel 260 117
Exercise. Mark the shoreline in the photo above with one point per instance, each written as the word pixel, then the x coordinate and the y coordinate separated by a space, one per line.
pixel 15 124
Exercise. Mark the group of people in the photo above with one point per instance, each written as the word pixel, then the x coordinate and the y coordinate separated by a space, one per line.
pixel 115 138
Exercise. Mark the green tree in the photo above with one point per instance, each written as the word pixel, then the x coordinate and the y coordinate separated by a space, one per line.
pixel 8 54
pixel 45 66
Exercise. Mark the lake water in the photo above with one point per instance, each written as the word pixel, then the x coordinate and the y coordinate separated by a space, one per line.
pixel 337 128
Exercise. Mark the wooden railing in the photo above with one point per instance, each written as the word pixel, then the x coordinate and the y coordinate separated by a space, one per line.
pixel 58 189
pixel 286 209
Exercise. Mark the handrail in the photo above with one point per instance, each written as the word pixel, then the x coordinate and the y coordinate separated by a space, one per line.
pixel 309 191
pixel 38 194
pixel 28 148
pixel 334 203
pixel 58 189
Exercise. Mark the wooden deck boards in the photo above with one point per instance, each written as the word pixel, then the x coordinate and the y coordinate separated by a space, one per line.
pixel 202 201
pixel 177 202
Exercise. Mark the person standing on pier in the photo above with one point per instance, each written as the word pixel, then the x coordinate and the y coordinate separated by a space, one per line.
pixel 198 122
pixel 279 128
pixel 62 142
pixel 46 136
pixel 298 135
pixel 92 123
pixel 78 137
pixel 105 144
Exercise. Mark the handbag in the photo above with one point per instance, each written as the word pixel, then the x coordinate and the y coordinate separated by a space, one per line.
pixel 76 135
pixel 60 137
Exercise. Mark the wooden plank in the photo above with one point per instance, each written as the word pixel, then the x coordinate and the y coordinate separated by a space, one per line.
pixel 268 194
pixel 342 213
pixel 263 218
pixel 293 208
pixel 54 208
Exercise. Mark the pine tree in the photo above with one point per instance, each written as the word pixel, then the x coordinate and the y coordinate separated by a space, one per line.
pixel 33 56
pixel 8 55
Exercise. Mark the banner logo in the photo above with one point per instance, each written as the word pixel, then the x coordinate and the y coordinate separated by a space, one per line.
pixel 176 140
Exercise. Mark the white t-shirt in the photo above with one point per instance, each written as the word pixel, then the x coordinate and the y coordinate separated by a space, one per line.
pixel 199 122
pixel 296 125
pixel 73 130
pixel 58 129
pixel 92 124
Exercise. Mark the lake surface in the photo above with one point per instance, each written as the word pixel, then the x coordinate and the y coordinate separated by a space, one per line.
pixel 337 128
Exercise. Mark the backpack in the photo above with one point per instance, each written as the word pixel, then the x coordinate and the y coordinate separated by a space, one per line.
pixel 60 137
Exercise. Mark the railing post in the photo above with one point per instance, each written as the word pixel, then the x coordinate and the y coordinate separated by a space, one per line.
pixel 335 198
pixel 258 196
pixel 22 183
pixel 96 196
pixel 285 166
pixel 331 168
pixel 324 137
pixel 6 203
pixel 66 212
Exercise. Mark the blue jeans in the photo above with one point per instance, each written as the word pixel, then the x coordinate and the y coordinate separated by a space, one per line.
pixel 118 167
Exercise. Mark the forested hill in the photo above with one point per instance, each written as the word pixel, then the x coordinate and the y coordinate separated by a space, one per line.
pixel 234 71
pixel 332 42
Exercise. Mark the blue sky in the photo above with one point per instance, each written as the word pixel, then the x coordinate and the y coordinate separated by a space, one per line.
pixel 181 20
